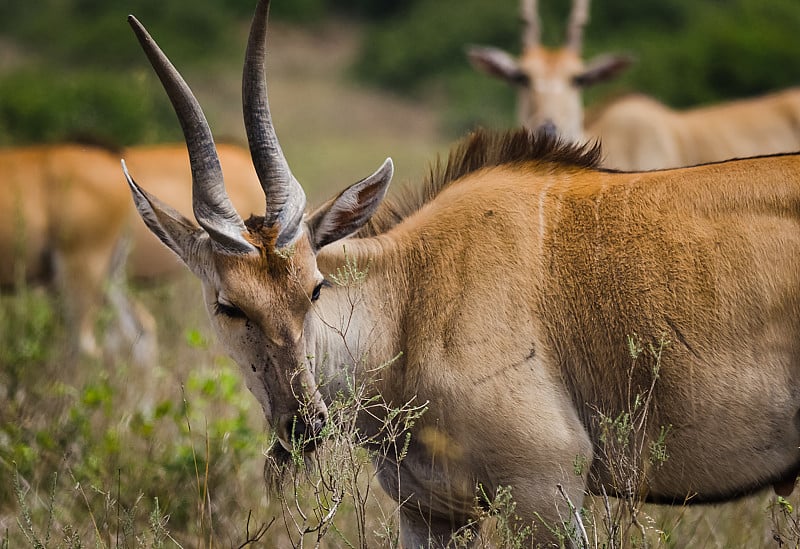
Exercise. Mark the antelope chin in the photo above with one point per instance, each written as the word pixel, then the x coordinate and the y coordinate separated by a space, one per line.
pixel 277 468
pixel 279 452
pixel 308 448
pixel 279 465
pixel 285 445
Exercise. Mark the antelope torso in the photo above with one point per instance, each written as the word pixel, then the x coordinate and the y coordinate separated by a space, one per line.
pixel 639 133
pixel 519 287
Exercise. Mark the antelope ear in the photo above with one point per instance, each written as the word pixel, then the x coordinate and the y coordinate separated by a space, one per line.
pixel 498 63
pixel 177 232
pixel 604 67
pixel 345 214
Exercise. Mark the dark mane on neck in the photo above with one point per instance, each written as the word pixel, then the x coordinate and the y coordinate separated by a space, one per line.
pixel 480 149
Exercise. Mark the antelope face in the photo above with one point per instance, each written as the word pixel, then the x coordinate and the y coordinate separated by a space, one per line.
pixel 257 304
pixel 549 93
pixel 260 278
pixel 550 80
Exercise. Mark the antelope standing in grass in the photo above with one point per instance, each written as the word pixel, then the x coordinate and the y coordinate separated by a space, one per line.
pixel 637 132
pixel 62 218
pixel 501 297
pixel 61 224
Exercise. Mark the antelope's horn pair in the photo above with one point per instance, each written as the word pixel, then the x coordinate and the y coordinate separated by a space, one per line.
pixel 531 36
pixel 285 199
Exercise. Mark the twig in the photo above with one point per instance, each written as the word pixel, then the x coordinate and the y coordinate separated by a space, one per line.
pixel 576 515
pixel 259 533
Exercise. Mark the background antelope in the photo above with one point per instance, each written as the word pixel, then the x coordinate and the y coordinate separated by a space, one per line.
pixel 550 80
pixel 501 299
pixel 637 132
pixel 62 219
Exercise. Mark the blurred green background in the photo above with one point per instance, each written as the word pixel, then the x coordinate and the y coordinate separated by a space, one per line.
pixel 71 68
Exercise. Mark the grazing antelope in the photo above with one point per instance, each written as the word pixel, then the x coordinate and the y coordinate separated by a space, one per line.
pixel 501 297
pixel 61 218
pixel 637 132
pixel 82 247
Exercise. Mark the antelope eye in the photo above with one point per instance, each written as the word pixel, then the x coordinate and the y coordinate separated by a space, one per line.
pixel 521 79
pixel 229 310
pixel 318 289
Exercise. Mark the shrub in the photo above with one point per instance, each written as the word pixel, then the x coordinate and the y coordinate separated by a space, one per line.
pixel 37 105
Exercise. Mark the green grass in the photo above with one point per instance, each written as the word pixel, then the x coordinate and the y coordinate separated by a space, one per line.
pixel 124 443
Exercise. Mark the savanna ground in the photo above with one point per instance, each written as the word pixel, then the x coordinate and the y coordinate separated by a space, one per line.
pixel 103 453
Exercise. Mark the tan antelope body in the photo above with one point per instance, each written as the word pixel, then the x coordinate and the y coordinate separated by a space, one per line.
pixel 503 300
pixel 62 217
pixel 637 132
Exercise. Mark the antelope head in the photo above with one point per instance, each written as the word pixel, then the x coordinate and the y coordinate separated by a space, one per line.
pixel 550 80
pixel 260 276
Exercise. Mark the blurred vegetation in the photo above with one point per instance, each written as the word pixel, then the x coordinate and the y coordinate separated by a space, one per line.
pixel 75 69
pixel 97 450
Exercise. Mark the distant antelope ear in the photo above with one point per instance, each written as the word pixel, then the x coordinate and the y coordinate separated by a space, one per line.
pixel 498 63
pixel 345 214
pixel 604 67
pixel 177 232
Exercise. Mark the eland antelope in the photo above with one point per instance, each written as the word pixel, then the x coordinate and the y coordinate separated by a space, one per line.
pixel 62 219
pixel 550 80
pixel 640 133
pixel 637 132
pixel 501 297
pixel 88 247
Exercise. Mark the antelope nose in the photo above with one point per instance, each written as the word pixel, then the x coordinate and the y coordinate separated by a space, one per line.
pixel 305 431
pixel 548 128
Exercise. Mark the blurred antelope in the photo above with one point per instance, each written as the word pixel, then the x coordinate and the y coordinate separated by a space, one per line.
pixel 550 80
pixel 61 218
pixel 501 297
pixel 637 132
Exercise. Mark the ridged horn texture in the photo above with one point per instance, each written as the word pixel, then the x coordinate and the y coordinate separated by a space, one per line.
pixel 210 203
pixel 530 18
pixel 285 198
